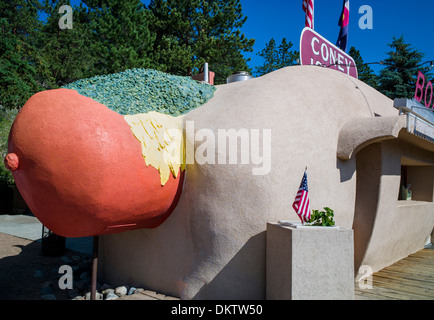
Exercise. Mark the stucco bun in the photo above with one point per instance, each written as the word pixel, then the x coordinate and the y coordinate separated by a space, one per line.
pixel 213 244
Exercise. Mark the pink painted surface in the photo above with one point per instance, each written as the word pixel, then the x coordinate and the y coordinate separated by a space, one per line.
pixel 420 84
pixel 423 93
pixel 316 50
pixel 80 169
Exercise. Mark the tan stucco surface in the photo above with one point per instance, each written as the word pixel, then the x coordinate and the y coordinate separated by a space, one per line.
pixel 385 229
pixel 213 245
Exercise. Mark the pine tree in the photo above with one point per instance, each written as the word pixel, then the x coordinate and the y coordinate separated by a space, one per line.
pixel 122 36
pixel 366 74
pixel 68 52
pixel 192 32
pixel 22 17
pixel 17 76
pixel 398 78
pixel 22 69
pixel 269 54
pixel 276 57
pixel 228 64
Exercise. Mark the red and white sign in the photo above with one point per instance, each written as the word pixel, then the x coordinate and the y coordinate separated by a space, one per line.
pixel 316 50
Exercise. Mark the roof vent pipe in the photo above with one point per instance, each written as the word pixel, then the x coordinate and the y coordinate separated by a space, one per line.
pixel 239 76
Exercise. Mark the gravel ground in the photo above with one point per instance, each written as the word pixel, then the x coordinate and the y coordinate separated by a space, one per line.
pixel 25 274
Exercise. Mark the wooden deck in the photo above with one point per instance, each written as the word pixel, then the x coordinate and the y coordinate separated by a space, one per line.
pixel 411 278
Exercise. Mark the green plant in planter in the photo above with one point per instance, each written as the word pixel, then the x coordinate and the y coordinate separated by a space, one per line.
pixel 321 218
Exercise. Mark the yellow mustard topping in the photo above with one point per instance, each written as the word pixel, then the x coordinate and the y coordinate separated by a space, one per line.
pixel 162 142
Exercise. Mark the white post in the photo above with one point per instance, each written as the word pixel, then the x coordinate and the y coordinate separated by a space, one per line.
pixel 205 73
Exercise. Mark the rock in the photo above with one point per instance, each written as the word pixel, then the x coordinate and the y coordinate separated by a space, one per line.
pixel 138 290
pixel 108 290
pixel 131 290
pixel 121 291
pixel 110 296
pixel 48 297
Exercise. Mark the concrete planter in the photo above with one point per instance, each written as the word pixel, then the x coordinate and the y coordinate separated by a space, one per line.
pixel 309 263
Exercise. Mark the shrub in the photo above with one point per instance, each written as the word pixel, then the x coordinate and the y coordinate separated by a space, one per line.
pixel 7 117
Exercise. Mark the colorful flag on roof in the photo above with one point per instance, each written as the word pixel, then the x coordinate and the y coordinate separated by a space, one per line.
pixel 301 202
pixel 344 21
pixel 308 8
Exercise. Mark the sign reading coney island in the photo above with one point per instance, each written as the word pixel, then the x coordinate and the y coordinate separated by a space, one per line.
pixel 316 50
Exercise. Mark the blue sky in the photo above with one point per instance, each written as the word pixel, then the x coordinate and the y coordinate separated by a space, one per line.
pixel 285 18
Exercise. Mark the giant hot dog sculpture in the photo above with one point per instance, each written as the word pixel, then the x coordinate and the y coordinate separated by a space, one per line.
pixel 85 170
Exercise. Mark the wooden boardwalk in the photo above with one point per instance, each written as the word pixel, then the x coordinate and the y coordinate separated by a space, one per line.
pixel 411 278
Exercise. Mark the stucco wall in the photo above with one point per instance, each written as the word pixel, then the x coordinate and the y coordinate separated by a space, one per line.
pixel 213 244
pixel 385 229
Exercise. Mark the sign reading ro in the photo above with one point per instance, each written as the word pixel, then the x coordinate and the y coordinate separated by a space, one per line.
pixel 316 50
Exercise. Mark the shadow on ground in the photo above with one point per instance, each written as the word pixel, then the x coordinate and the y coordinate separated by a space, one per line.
pixel 29 275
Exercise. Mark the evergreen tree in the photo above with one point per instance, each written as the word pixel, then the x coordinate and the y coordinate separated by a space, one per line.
pixel 270 56
pixel 398 78
pixel 22 17
pixel 122 39
pixel 228 64
pixel 276 57
pixel 22 69
pixel 17 75
pixel 366 74
pixel 68 52
pixel 192 32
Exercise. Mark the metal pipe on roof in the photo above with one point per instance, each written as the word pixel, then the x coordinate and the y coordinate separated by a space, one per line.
pixel 205 73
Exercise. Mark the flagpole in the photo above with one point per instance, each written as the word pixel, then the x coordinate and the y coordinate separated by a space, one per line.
pixel 313 18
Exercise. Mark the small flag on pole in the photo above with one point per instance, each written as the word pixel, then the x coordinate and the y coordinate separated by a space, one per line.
pixel 308 8
pixel 301 202
pixel 344 21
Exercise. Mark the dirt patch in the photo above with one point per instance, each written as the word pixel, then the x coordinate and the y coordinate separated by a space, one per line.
pixel 26 274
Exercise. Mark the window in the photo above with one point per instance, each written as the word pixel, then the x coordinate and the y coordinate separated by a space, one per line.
pixel 416 183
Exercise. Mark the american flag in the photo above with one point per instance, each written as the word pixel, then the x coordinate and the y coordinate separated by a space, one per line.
pixel 301 202
pixel 308 8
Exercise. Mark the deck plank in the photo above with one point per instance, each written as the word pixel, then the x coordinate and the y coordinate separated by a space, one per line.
pixel 411 278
